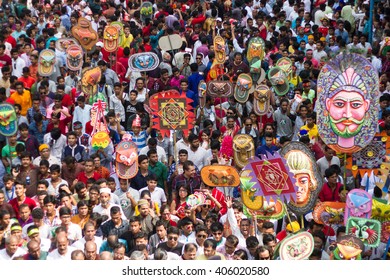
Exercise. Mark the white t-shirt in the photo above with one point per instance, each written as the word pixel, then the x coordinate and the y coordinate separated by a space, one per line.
pixel 158 195
pixel 55 256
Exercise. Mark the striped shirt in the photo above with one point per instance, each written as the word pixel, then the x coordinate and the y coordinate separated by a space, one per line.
pixel 139 140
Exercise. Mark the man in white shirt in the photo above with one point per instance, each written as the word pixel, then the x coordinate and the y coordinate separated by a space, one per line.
pixel 82 112
pixel 197 154
pixel 89 235
pixel 11 250
pixel 17 63
pixel 63 251
pixel 327 160
pixel 152 144
pixel 103 208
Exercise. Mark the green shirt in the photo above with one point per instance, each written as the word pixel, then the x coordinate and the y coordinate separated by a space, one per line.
pixel 161 172
pixel 9 153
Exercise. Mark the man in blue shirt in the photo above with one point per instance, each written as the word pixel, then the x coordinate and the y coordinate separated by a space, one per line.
pixel 341 31
pixel 268 147
pixel 189 93
pixel 193 82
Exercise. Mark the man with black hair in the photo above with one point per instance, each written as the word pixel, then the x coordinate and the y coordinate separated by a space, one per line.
pixel 197 154
pixel 172 244
pixel 56 142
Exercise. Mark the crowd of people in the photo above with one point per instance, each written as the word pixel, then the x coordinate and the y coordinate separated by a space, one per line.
pixel 60 198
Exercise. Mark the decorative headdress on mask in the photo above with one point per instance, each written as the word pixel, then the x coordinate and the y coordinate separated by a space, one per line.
pixel 46 62
pixel 220 176
pixel 307 174
pixel 63 44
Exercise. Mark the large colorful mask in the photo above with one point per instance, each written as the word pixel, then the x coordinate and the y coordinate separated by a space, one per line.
pixel 297 246
pixel 347 104
pixel 285 64
pixel 220 88
pixel 90 78
pixel 367 230
pixel 348 247
pixel 220 50
pixel 244 84
pixel 278 79
pixel 358 204
pixel 371 157
pixel 220 176
pixel 126 159
pixel 119 26
pixel 329 213
pixel 257 73
pixel 110 38
pixel 146 61
pixel 272 177
pixel 85 34
pixel 308 179
pixel 244 149
pixel 171 111
pixel 380 211
pixel 256 48
pixel 46 62
pixel 74 57
pixel 146 11
pixel 261 100
pixel 8 120
pixel 63 44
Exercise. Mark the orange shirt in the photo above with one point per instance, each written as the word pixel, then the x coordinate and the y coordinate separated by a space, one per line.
pixel 24 100
pixel 28 82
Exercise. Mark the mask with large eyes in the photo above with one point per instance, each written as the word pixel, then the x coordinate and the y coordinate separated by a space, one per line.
pixel 328 213
pixel 268 210
pixel 74 57
pixel 111 38
pixel 219 48
pixel 380 211
pixel 358 204
pixel 220 88
pixel 255 49
pixel 241 91
pixel 126 159
pixel 348 248
pixel 46 62
pixel 85 34
pixel 143 61
pixel 367 230
pixel 243 148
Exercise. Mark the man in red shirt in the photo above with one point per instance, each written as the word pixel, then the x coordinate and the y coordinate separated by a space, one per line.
pixel 89 172
pixel 26 78
pixel 21 198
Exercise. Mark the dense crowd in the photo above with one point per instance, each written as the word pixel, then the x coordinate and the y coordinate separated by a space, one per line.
pixel 61 198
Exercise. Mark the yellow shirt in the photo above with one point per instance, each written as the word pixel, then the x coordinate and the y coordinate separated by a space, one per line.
pixel 313 132
pixel 24 100
pixel 126 41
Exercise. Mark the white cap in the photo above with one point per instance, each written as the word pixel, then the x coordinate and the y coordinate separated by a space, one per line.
pixel 219 19
pixel 105 190
pixel 99 44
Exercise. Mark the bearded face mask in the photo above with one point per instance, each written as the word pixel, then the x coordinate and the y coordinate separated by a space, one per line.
pixel 110 38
